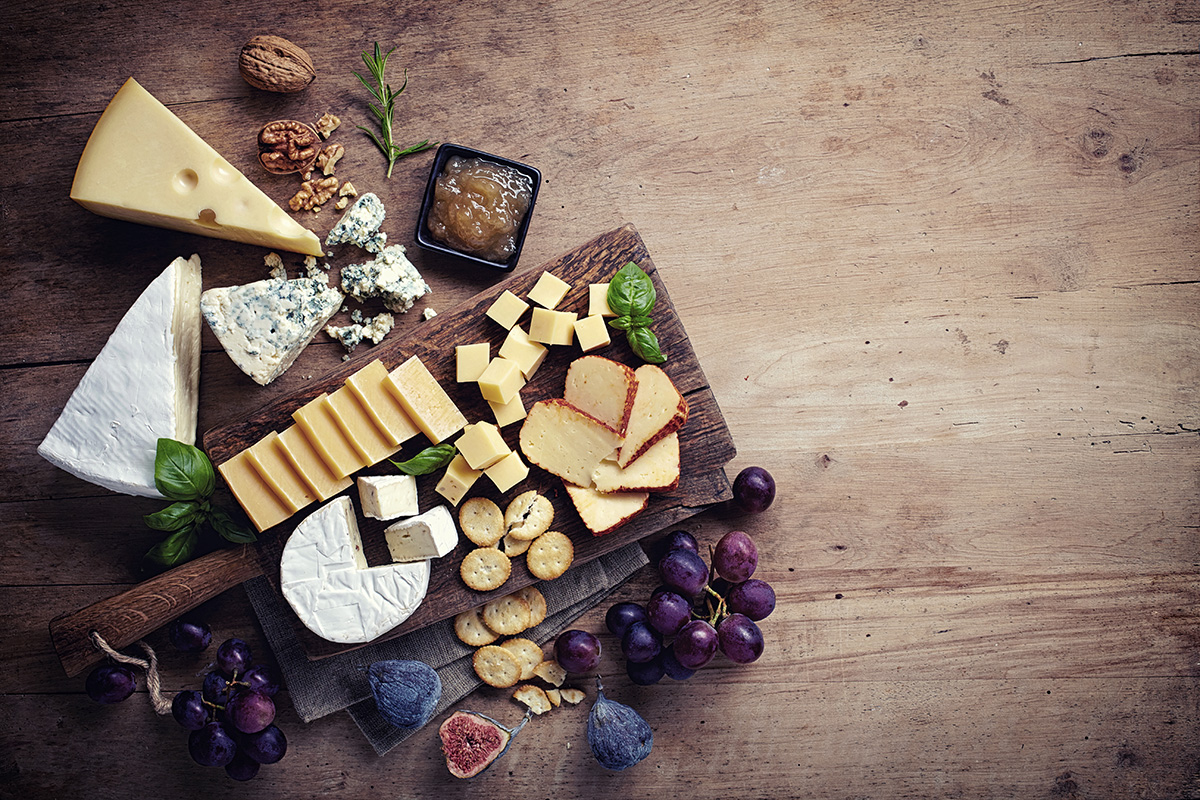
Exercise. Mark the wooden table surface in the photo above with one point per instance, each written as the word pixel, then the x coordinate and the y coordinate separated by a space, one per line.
pixel 938 260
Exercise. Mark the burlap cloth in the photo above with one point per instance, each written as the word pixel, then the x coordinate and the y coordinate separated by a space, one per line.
pixel 321 687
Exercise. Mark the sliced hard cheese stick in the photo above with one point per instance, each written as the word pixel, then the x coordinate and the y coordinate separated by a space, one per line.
pixel 309 465
pixel 272 466
pixel 424 400
pixel 261 504
pixel 143 164
pixel 326 580
pixel 316 419
pixel 383 408
pixel 361 432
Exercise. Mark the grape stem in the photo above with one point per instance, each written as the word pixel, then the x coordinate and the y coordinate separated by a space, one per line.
pixel 715 615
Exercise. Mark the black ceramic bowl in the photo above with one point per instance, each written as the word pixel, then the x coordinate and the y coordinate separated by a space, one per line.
pixel 426 240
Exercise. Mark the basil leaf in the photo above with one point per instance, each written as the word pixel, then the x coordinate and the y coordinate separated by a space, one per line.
pixel 175 549
pixel 229 530
pixel 645 345
pixel 624 323
pixel 631 292
pixel 176 516
pixel 182 472
pixel 428 460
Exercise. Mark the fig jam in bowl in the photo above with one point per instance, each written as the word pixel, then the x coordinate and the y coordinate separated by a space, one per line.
pixel 477 206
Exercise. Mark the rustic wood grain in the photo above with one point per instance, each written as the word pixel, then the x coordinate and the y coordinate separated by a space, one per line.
pixel 985 211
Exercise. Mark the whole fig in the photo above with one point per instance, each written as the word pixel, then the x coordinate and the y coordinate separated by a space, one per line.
pixel 617 734
pixel 406 692
pixel 472 742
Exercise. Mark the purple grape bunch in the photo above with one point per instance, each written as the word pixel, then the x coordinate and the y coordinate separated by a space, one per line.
pixel 696 612
pixel 231 718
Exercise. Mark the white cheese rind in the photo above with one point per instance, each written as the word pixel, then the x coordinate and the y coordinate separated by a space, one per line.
pixel 324 577
pixel 143 385
pixel 388 496
pixel 430 535
pixel 265 325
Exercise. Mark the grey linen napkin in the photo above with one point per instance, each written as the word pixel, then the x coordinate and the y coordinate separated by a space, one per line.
pixel 321 687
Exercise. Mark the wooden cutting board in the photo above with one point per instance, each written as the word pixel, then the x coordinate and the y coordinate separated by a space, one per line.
pixel 705 442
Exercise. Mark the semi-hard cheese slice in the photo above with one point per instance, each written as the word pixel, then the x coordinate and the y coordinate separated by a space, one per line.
pixel 367 440
pixel 430 535
pixel 272 466
pixel 656 470
pixel 424 400
pixel 325 578
pixel 603 513
pixel 265 325
pixel 603 388
pixel 320 426
pixel 309 465
pixel 264 508
pixel 384 409
pixel 658 410
pixel 143 385
pixel 143 164
pixel 565 441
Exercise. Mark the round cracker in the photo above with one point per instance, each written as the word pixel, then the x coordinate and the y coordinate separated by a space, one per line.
pixel 537 604
pixel 484 569
pixel 514 547
pixel 527 652
pixel 528 516
pixel 471 630
pixel 481 521
pixel 508 615
pixel 550 555
pixel 496 666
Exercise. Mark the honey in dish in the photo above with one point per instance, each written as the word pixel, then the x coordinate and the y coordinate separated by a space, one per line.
pixel 478 206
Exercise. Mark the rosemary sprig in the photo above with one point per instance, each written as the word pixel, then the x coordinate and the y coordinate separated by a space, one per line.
pixel 385 109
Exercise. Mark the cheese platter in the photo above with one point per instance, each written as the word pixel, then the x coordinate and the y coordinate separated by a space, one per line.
pixel 704 442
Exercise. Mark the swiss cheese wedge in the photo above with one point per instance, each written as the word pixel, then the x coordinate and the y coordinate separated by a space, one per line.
pixel 658 411
pixel 603 388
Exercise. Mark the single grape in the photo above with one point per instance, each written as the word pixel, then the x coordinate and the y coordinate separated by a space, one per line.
pixel 622 615
pixel 668 612
pixel 735 557
pixel 188 710
pixel 647 673
pixel 110 683
pixel 265 678
pixel 215 688
pixel 753 490
pixel 250 711
pixel 740 639
pixel 671 666
pixel 233 657
pixel 212 745
pixel 267 746
pixel 577 651
pixel 640 643
pixel 696 644
pixel 684 571
pixel 242 767
pixel 754 598
pixel 673 541
pixel 189 636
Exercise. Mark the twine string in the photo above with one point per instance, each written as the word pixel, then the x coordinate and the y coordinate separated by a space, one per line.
pixel 153 683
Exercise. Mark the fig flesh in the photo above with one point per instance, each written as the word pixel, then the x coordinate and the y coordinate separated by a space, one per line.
pixel 472 742
pixel 617 734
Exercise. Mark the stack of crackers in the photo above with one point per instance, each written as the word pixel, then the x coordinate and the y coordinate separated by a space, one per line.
pixel 524 528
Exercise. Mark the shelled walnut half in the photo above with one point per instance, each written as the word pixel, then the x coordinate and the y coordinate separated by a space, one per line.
pixel 287 146
pixel 314 194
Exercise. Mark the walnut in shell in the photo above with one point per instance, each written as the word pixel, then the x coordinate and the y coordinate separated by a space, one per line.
pixel 274 64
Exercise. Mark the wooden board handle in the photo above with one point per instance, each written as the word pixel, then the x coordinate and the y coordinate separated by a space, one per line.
pixel 126 617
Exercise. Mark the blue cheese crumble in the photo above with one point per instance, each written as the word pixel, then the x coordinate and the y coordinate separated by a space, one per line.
pixel 352 335
pixel 360 225
pixel 265 325
pixel 390 276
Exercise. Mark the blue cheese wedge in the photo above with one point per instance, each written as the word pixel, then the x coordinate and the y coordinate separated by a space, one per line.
pixel 430 535
pixel 390 277
pixel 143 385
pixel 360 225
pixel 265 325
pixel 325 578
